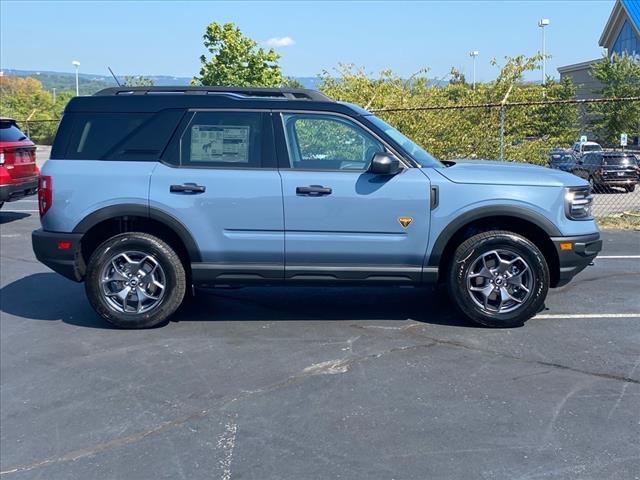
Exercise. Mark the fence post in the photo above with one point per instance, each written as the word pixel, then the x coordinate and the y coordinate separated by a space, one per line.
pixel 502 107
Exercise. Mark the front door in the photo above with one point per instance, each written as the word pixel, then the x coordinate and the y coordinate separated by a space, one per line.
pixel 341 222
pixel 221 182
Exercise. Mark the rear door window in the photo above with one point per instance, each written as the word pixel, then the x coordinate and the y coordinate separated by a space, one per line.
pixel 225 140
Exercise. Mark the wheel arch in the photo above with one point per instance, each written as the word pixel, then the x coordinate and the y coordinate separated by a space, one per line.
pixel 520 220
pixel 133 217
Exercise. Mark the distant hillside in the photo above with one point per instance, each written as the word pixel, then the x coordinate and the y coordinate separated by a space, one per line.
pixel 91 83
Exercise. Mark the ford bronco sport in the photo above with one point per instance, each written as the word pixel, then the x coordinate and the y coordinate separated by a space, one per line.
pixel 152 190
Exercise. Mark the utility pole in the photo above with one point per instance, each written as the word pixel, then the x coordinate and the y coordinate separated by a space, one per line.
pixel 473 54
pixel 544 22
pixel 76 64
pixel 54 95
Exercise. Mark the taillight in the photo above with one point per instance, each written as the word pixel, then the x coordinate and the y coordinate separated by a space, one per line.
pixel 45 194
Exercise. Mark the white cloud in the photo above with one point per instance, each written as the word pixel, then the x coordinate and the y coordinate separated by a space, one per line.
pixel 280 42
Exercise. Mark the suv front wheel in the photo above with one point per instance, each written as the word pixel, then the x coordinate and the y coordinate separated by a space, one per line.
pixel 499 279
pixel 135 280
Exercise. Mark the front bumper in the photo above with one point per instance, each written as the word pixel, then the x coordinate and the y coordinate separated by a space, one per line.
pixel 14 191
pixel 584 249
pixel 68 262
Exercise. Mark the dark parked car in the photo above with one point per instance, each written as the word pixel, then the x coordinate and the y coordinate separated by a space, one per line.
pixel 561 159
pixel 609 169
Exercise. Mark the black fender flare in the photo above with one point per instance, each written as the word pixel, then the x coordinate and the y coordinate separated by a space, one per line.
pixel 144 211
pixel 514 211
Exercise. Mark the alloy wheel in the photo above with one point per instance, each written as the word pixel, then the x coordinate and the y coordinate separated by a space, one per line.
pixel 499 281
pixel 133 282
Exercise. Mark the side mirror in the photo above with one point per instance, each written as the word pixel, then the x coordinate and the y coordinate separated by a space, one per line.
pixel 384 164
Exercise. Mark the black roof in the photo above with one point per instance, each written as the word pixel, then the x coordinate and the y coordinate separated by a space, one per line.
pixel 255 92
pixel 153 99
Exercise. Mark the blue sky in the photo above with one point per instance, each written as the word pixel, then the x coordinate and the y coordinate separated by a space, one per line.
pixel 165 37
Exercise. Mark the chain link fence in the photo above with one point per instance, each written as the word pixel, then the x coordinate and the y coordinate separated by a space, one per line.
pixel 518 132
pixel 538 132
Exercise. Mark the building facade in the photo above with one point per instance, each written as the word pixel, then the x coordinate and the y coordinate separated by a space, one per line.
pixel 621 35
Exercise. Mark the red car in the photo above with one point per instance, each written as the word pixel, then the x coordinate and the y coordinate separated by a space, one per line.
pixel 18 170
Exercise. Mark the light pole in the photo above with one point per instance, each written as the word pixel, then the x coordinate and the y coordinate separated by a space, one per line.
pixel 543 23
pixel 76 64
pixel 474 54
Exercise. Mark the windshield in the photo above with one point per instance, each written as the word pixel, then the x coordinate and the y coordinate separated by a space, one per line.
pixel 10 133
pixel 561 158
pixel 591 148
pixel 416 152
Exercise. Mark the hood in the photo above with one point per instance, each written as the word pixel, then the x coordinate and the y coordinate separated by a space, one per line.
pixel 493 172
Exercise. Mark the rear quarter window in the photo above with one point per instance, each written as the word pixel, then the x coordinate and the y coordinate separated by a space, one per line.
pixel 118 136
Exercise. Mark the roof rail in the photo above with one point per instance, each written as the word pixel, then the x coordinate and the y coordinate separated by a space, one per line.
pixel 287 93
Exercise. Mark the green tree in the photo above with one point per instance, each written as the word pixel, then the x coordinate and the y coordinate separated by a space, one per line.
pixel 449 132
pixel 25 99
pixel 620 76
pixel 138 81
pixel 457 77
pixel 236 60
pixel 291 83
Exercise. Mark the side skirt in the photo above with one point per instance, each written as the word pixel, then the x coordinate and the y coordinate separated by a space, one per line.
pixel 222 274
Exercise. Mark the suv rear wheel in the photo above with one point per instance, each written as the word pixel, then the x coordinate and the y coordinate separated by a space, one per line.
pixel 135 280
pixel 499 279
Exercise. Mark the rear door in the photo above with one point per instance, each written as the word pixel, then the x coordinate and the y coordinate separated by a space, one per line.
pixel 220 181
pixel 341 222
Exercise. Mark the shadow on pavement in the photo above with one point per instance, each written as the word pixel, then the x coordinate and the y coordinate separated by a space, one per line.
pixel 48 296
pixel 8 217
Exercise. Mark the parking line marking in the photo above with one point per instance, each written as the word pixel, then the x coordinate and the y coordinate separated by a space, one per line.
pixel 588 315
pixel 604 257
pixel 13 210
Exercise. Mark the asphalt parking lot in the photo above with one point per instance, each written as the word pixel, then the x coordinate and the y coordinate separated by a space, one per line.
pixel 299 383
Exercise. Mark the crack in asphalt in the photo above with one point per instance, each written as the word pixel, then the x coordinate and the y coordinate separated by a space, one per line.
pixel 454 343
pixel 308 372
pixel 100 447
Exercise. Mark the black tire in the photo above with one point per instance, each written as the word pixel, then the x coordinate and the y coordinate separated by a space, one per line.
pixel 476 247
pixel 630 188
pixel 172 268
pixel 1 204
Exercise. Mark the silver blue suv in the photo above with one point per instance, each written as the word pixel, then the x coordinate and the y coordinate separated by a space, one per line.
pixel 152 191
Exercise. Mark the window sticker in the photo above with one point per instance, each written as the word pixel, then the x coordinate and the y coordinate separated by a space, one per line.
pixel 220 143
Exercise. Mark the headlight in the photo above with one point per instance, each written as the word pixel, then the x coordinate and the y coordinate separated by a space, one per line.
pixel 578 202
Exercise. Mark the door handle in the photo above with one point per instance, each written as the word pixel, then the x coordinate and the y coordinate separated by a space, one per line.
pixel 187 188
pixel 313 191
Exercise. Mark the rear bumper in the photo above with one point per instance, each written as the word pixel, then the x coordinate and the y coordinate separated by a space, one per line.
pixel 14 191
pixel 616 181
pixel 584 249
pixel 67 262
